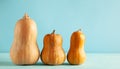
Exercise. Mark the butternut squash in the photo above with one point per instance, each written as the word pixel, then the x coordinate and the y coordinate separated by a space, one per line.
pixel 53 53
pixel 24 48
pixel 76 54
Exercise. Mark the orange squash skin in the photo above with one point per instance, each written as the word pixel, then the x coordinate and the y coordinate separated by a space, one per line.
pixel 24 50
pixel 53 53
pixel 76 54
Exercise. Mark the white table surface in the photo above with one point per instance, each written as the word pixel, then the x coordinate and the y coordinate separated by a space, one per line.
pixel 94 61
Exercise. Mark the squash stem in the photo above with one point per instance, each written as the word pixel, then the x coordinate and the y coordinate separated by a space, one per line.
pixel 79 29
pixel 26 15
pixel 53 32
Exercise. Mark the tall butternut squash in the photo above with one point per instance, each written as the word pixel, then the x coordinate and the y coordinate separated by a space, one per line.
pixel 76 54
pixel 24 48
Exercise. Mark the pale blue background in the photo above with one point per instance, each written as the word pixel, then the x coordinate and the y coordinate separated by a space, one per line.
pixel 99 20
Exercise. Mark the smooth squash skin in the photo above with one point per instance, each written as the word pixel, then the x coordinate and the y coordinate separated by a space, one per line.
pixel 76 54
pixel 53 53
pixel 24 48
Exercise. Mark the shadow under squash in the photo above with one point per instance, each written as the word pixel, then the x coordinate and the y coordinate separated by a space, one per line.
pixel 8 63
